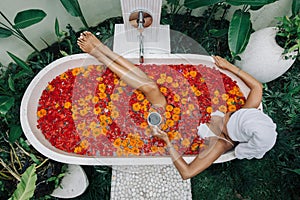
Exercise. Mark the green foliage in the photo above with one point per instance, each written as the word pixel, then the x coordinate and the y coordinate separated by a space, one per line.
pixel 15 133
pixel 250 2
pixel 27 18
pixel 73 8
pixel 20 62
pixel 26 187
pixel 4 33
pixel 239 32
pixel 288 35
pixel 6 103
pixel 192 4
pixel 295 7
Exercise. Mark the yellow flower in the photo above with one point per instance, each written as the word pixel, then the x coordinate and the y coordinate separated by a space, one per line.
pixel 135 151
pixel 78 149
pixel 84 144
pixel 193 74
pixel 160 81
pixel 74 116
pixel 102 117
pixel 169 108
pixel 163 90
pixel 41 113
pixel 114 114
pixel 216 93
pixel 99 68
pixel 81 102
pixel 122 83
pixel 191 107
pixel 225 97
pixel 184 93
pixel 140 143
pixel 114 97
pixel 96 132
pixel 103 124
pixel 95 100
pixel 81 126
pixel 86 74
pixel 209 109
pixel 185 142
pixel 83 112
pixel 97 110
pixel 215 100
pixel 81 69
pixel 241 102
pixel 85 133
pixel 176 98
pixel 145 102
pixel 183 100
pixel 93 125
pixel 102 87
pixel 169 79
pixel 88 97
pixel 230 101
pixel 136 106
pixel 163 75
pixel 90 67
pixel 99 78
pixel 175 84
pixel 223 108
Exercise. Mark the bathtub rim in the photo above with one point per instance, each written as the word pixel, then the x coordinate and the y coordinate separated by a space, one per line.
pixel 70 158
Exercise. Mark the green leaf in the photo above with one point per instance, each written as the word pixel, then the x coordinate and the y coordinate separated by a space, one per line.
pixel 218 33
pixel 25 189
pixel 239 31
pixel 35 159
pixel 5 104
pixel 4 33
pixel 15 133
pixel 57 28
pixel 73 7
pixel 296 7
pixel 11 83
pixel 20 62
pixel 192 4
pixel 250 2
pixel 27 18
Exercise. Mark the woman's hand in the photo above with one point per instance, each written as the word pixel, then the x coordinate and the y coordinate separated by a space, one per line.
pixel 159 133
pixel 222 63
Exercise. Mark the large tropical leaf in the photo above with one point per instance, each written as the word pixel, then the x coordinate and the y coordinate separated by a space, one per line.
pixel 25 189
pixel 5 104
pixel 4 33
pixel 29 17
pixel 14 133
pixel 239 31
pixel 250 2
pixel 192 4
pixel 20 62
pixel 296 7
pixel 73 7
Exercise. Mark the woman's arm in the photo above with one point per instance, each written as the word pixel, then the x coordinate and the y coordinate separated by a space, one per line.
pixel 200 163
pixel 255 96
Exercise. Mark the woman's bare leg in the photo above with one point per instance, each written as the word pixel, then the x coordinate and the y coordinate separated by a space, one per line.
pixel 129 73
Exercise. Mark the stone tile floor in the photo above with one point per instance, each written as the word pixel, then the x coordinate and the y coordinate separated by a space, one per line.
pixel 149 183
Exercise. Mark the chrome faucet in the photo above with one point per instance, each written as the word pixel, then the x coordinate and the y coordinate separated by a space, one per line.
pixel 140 27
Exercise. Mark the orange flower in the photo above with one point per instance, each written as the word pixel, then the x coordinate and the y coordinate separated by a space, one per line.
pixel 99 68
pixel 223 108
pixel 119 152
pixel 116 81
pixel 103 124
pixel 161 150
pixel 169 122
pixel 122 83
pixel 175 118
pixel 230 101
pixel 140 143
pixel 75 71
pixel 143 125
pixel 41 113
pixel 117 142
pixel 194 146
pixel 50 88
pixel 154 149
pixel 84 144
pixel 135 151
pixel 198 93
pixel 140 97
pixel 169 108
pixel 231 108
pixel 241 102
pixel 95 100
pixel 136 107
pixel 63 76
pixel 239 94
pixel 176 110
pixel 225 97
pixel 102 87
pixel 168 115
pixel 163 90
pixel 209 109
pixel 102 95
pixel 193 74
pixel 176 98
pixel 102 117
pixel 67 105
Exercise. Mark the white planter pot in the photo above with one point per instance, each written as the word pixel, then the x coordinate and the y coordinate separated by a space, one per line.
pixel 263 57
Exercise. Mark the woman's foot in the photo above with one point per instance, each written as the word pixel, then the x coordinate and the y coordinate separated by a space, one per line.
pixel 88 42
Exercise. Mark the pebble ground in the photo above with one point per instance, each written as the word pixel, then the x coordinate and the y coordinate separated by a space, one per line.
pixel 153 182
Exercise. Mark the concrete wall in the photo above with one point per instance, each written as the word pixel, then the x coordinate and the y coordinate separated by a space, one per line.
pixel 95 11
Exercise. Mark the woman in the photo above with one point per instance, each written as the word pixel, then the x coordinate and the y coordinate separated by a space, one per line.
pixel 249 131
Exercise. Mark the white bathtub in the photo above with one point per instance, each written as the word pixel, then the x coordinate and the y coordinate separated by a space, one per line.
pixel 31 97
